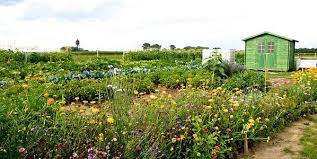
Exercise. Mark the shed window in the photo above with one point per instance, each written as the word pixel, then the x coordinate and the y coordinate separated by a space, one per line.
pixel 261 47
pixel 271 47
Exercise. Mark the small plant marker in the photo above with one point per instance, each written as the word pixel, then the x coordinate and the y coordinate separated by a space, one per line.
pixel 246 146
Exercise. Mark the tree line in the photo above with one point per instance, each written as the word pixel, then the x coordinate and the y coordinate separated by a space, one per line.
pixel 148 46
pixel 306 50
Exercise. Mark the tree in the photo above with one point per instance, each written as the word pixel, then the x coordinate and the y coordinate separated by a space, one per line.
pixel 188 47
pixel 172 47
pixel 156 46
pixel 146 46
pixel 201 47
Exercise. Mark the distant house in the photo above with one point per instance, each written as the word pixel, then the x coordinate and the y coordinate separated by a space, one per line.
pixel 271 51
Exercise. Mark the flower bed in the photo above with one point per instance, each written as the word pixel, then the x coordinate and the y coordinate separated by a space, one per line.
pixel 196 123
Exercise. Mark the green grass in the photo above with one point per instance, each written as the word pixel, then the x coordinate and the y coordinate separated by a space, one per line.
pixel 309 140
pixel 306 55
pixel 280 75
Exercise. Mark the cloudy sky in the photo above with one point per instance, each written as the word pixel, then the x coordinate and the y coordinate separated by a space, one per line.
pixel 127 24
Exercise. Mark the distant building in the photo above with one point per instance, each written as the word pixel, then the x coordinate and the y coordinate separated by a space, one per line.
pixel 271 51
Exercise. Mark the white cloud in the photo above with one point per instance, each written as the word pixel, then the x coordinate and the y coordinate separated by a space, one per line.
pixel 118 24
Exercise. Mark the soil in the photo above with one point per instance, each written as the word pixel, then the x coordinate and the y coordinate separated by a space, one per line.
pixel 276 82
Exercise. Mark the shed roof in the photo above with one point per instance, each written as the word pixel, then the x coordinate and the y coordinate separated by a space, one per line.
pixel 269 33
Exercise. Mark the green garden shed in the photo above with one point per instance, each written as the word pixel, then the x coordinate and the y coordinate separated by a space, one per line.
pixel 271 51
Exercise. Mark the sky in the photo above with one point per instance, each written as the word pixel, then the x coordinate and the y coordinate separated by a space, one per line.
pixel 127 24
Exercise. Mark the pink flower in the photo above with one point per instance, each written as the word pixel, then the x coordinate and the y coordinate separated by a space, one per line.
pixel 214 155
pixel 23 151
pixel 217 148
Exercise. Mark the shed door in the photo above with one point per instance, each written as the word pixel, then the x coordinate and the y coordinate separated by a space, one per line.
pixel 266 54
pixel 260 58
pixel 271 51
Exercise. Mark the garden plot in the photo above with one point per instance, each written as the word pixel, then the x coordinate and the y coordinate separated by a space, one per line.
pixel 172 112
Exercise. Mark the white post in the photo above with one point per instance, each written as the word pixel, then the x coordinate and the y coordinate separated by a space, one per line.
pixel 97 52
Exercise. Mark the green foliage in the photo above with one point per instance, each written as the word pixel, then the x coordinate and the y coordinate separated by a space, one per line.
pixel 217 66
pixel 9 56
pixel 240 58
pixel 49 57
pixel 247 80
pixel 167 55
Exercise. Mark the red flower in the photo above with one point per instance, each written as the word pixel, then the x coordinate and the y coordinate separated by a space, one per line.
pixel 205 130
pixel 217 148
pixel 214 155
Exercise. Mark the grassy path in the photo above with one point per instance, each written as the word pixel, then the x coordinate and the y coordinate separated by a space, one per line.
pixel 298 141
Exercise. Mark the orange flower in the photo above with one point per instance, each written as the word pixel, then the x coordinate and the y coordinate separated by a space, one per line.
pixel 50 100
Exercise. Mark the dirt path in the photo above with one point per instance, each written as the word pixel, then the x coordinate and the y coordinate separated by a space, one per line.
pixel 286 145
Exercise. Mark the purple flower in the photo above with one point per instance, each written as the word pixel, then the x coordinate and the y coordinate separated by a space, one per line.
pixel 154 151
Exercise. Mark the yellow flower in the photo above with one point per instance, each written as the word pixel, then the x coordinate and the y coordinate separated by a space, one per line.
pixel 77 98
pixel 92 121
pixel 101 137
pixel 94 110
pixel 46 95
pixel 162 106
pixel 153 96
pixel 251 123
pixel 267 119
pixel 173 140
pixel 81 110
pixel 93 102
pixel 251 120
pixel 208 107
pixel 182 137
pixel 169 96
pixel 110 120
pixel 62 109
pixel 195 136
pixel 25 86
pixel 225 110
pixel 236 104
